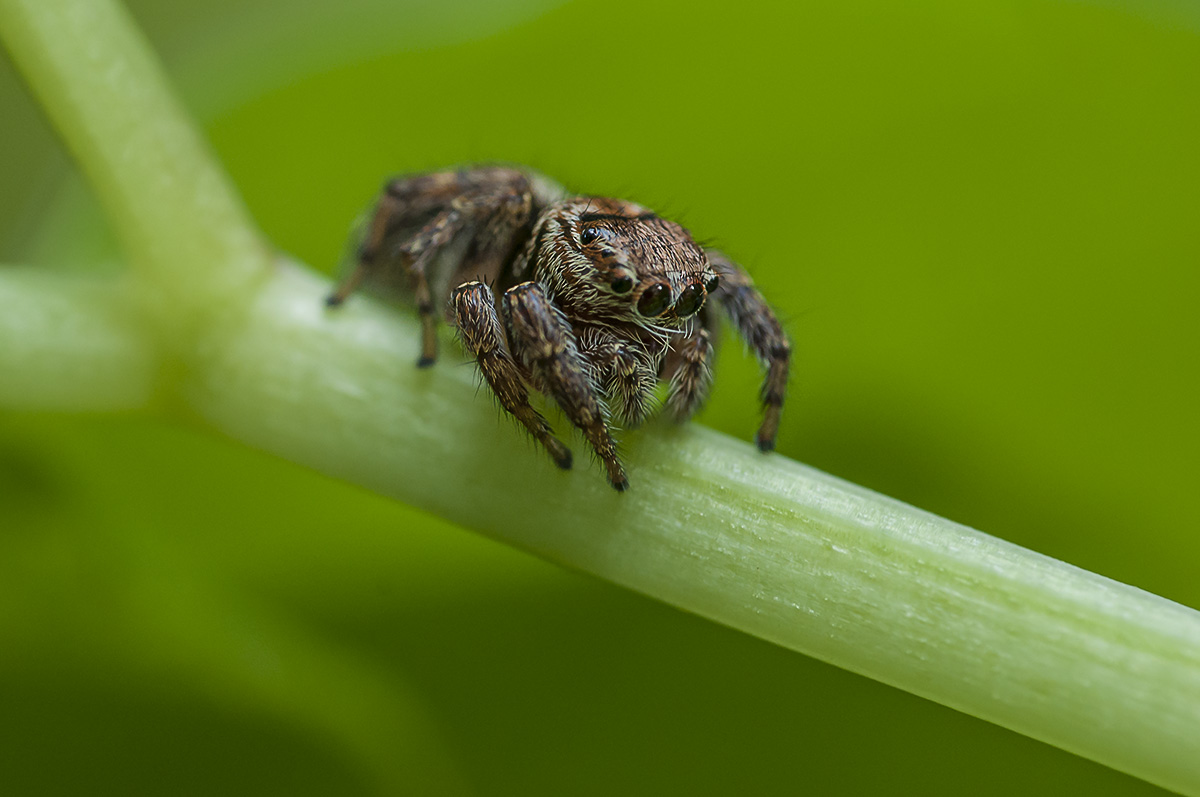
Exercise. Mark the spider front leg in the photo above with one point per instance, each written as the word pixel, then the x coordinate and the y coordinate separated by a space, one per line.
pixel 689 368
pixel 481 333
pixel 761 330
pixel 625 372
pixel 542 337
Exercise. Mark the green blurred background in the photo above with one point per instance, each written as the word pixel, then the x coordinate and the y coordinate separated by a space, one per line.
pixel 978 221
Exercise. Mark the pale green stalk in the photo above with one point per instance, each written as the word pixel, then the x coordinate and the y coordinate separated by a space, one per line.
pixel 757 542
pixel 183 226
pixel 71 344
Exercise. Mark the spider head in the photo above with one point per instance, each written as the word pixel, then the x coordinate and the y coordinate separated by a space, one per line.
pixel 634 263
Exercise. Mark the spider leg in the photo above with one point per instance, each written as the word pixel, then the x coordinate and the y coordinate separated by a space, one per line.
pixel 417 217
pixel 542 337
pixel 627 375
pixel 504 220
pixel 406 203
pixel 629 380
pixel 689 368
pixel 418 251
pixel 761 330
pixel 389 208
pixel 481 333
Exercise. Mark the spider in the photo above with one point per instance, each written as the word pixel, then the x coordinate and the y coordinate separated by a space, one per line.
pixel 589 300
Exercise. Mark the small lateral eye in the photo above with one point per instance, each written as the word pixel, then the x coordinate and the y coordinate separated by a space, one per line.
pixel 588 235
pixel 622 285
pixel 712 284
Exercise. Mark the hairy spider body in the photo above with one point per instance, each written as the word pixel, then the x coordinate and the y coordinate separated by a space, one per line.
pixel 589 300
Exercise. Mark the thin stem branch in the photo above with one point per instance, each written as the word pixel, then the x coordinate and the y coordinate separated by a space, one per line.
pixel 757 542
pixel 182 223
pixel 71 343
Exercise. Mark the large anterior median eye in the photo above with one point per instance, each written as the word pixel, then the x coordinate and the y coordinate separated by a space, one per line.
pixel 689 301
pixel 588 235
pixel 655 300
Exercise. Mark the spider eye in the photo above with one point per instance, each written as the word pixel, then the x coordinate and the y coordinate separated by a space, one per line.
pixel 689 301
pixel 622 285
pixel 712 285
pixel 655 300
pixel 588 235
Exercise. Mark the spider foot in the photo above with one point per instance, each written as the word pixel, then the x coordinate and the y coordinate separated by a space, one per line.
pixel 559 453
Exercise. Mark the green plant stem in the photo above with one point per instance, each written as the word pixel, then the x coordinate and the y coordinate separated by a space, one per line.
pixel 757 542
pixel 71 344
pixel 184 227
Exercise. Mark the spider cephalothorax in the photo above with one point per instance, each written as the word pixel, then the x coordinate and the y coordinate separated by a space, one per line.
pixel 599 299
pixel 615 262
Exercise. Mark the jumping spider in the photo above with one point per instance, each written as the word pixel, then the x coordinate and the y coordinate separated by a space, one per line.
pixel 598 299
